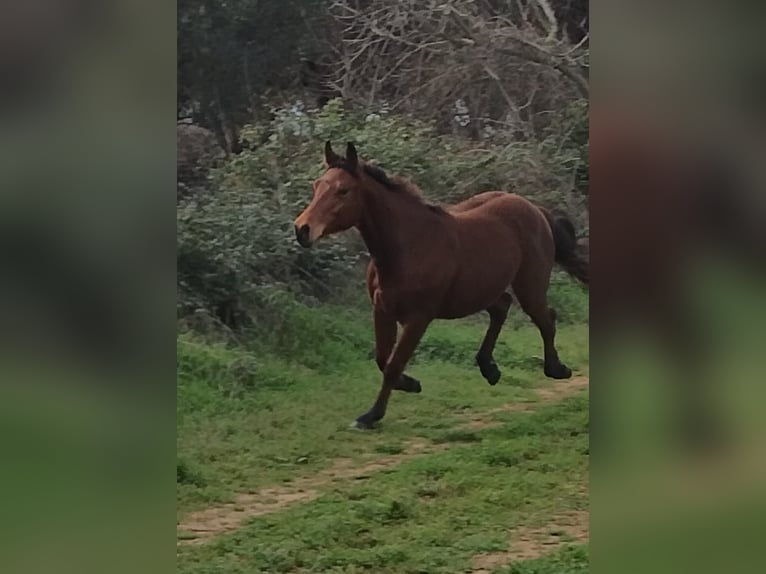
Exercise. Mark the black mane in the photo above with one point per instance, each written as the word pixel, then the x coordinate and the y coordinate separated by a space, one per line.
pixel 396 184
pixel 378 174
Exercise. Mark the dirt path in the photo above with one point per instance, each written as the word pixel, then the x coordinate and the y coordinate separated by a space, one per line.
pixel 531 543
pixel 199 527
pixel 545 395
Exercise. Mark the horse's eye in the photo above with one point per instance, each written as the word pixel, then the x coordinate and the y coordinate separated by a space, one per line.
pixel 343 191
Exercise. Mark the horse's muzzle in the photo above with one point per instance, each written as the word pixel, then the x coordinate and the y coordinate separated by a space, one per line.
pixel 302 235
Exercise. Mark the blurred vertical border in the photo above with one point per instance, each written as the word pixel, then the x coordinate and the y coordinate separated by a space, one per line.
pixel 678 246
pixel 87 324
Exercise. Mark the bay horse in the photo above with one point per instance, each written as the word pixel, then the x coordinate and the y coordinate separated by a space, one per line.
pixel 431 262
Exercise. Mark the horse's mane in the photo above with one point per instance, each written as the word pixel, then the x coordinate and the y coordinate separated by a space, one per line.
pixel 395 183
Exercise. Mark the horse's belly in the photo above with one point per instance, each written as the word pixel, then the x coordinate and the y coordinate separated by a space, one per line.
pixel 457 310
pixel 471 295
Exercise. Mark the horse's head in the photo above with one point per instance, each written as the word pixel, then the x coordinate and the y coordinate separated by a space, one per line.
pixel 337 202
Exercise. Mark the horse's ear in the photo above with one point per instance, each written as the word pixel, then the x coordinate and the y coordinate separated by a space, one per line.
pixel 330 157
pixel 351 158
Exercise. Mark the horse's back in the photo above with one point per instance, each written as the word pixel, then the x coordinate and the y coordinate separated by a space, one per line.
pixel 509 209
pixel 474 201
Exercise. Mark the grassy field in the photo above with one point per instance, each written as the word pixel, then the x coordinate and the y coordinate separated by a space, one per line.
pixel 463 477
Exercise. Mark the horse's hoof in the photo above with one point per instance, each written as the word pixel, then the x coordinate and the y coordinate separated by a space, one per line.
pixel 409 384
pixel 356 425
pixel 559 371
pixel 413 387
pixel 491 372
pixel 364 422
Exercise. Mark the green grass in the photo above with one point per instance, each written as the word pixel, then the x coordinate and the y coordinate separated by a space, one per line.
pixel 250 418
pixel 572 559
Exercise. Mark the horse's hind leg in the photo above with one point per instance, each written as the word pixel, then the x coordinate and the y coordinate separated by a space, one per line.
pixel 385 339
pixel 498 312
pixel 531 289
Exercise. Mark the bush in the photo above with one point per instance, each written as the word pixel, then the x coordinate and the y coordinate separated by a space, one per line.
pixel 236 248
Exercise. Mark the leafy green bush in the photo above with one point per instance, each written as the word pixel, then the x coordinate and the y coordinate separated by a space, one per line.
pixel 237 256
pixel 186 475
pixel 568 298
pixel 230 371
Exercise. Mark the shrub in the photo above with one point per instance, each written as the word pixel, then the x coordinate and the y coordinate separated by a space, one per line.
pixel 236 248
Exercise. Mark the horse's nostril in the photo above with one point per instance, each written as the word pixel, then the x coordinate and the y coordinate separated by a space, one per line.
pixel 302 235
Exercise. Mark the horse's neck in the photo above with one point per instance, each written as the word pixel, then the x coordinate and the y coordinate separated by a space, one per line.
pixel 391 225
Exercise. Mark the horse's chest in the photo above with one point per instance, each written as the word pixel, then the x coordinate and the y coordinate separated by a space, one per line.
pixel 402 303
pixel 410 289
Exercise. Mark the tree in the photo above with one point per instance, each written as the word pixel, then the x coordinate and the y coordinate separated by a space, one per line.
pixel 465 62
pixel 232 53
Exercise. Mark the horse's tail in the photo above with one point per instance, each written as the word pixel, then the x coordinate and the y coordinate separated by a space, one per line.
pixel 570 255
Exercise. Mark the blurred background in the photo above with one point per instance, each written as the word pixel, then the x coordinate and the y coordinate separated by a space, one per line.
pixel 677 252
pixel 87 285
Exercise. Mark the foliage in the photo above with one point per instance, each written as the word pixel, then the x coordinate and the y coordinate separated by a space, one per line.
pixel 567 139
pixel 468 66
pixel 232 54
pixel 197 152
pixel 237 256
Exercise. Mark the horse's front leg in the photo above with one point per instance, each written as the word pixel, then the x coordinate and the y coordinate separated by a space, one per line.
pixel 385 339
pixel 412 332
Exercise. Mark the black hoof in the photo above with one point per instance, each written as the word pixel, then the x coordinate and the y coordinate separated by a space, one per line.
pixel 366 421
pixel 361 425
pixel 559 371
pixel 491 372
pixel 408 384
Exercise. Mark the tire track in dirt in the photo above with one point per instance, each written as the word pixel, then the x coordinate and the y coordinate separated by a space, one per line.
pixel 531 543
pixel 201 526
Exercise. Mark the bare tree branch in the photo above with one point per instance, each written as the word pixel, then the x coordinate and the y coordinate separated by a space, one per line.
pixel 421 57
